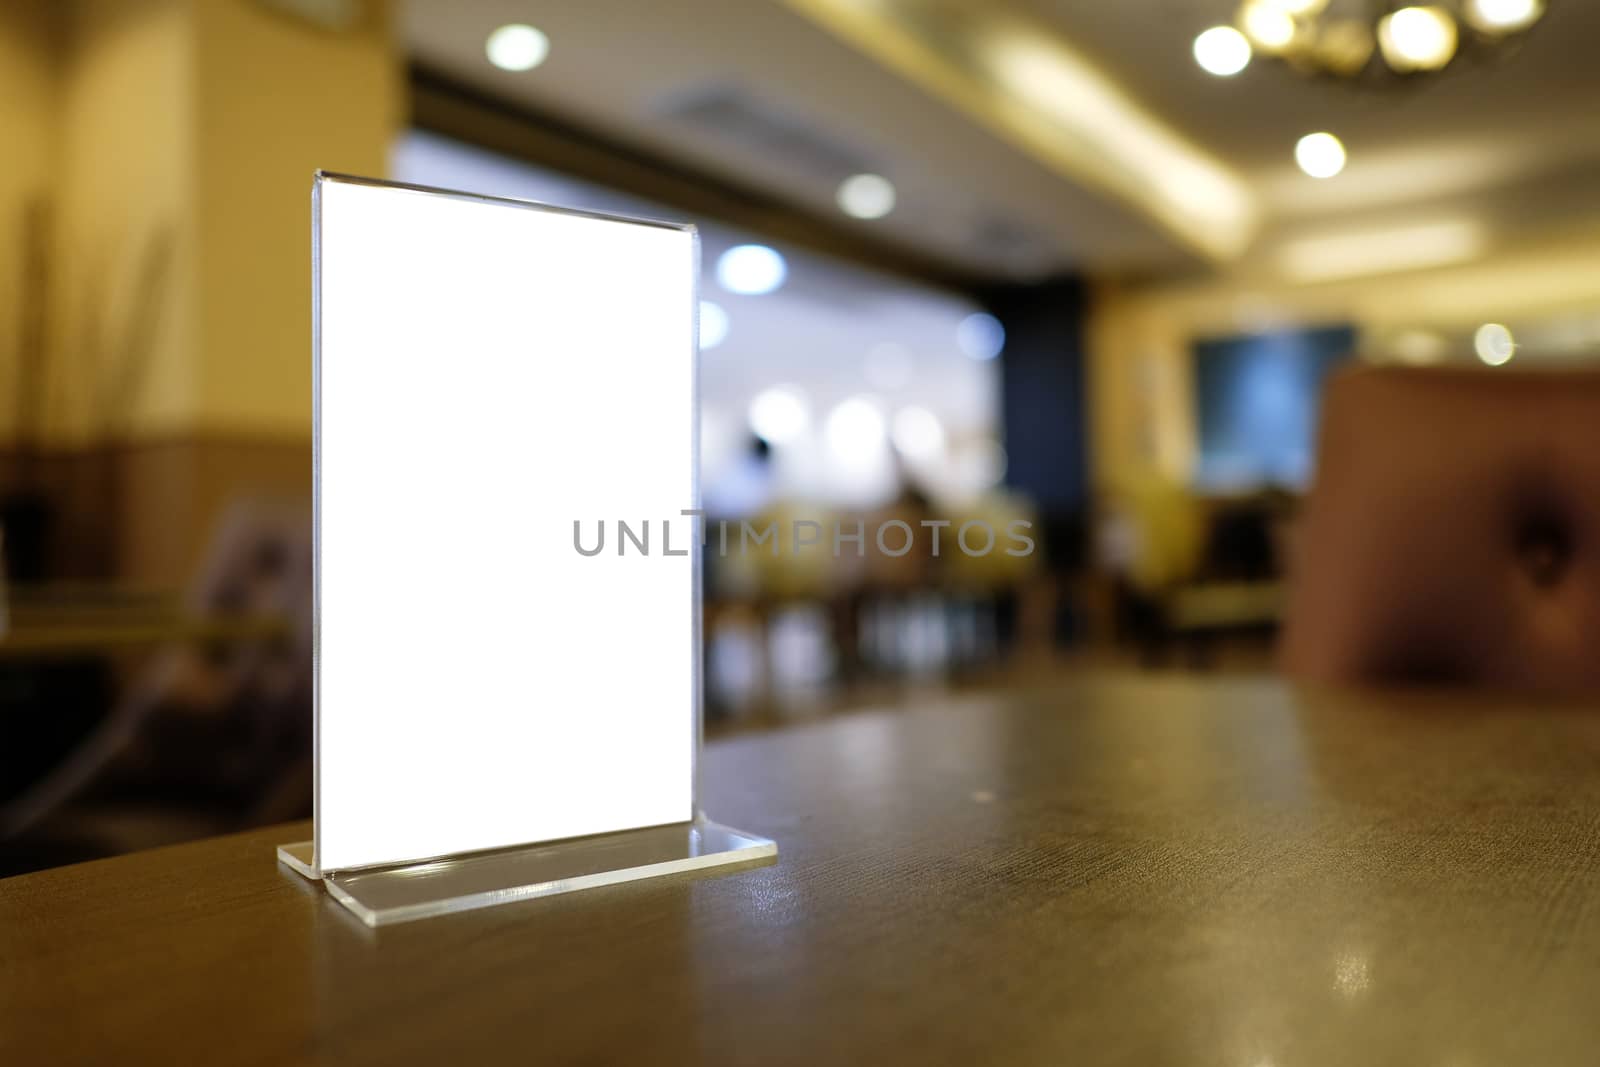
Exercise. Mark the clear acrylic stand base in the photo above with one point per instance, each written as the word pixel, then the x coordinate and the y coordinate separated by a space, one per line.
pixel 382 895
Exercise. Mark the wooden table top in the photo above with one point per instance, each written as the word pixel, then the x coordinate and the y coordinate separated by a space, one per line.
pixel 1115 870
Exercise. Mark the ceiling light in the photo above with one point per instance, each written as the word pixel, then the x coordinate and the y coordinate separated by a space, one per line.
pixel 1349 254
pixel 855 426
pixel 1494 344
pixel 751 270
pixel 1417 38
pixel 1269 27
pixel 713 325
pixel 1418 347
pixel 1320 155
pixel 917 433
pixel 981 336
pixel 866 196
pixel 1343 47
pixel 517 47
pixel 1085 124
pixel 1299 8
pixel 1504 16
pixel 779 414
pixel 1222 50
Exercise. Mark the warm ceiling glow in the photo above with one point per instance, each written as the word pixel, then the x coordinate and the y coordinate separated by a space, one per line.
pixel 713 324
pixel 1504 16
pixel 751 270
pixel 1111 141
pixel 866 196
pixel 779 414
pixel 1418 347
pixel 1350 254
pixel 1320 155
pixel 1269 27
pixel 1344 46
pixel 1028 84
pixel 1417 38
pixel 517 47
pixel 1222 50
pixel 1494 344
pixel 1299 8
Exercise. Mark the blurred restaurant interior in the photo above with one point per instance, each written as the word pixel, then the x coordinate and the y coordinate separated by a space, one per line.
pixel 1089 265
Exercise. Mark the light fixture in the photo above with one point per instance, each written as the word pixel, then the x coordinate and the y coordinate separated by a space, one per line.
pixel 1222 50
pixel 917 433
pixel 1349 253
pixel 1270 28
pixel 1503 16
pixel 1092 128
pixel 713 324
pixel 1418 347
pixel 517 47
pixel 1494 344
pixel 1343 47
pixel 1320 155
pixel 866 196
pixel 1417 39
pixel 779 414
pixel 751 270
pixel 1299 8
pixel 981 336
pixel 855 426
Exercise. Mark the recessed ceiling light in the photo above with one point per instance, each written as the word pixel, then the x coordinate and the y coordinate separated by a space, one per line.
pixel 1494 344
pixel 517 47
pixel 1222 50
pixel 1320 155
pixel 713 324
pixel 1269 27
pixel 751 270
pixel 1417 38
pixel 866 196
pixel 1504 16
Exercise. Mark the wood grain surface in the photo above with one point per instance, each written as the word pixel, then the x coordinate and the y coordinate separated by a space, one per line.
pixel 1111 871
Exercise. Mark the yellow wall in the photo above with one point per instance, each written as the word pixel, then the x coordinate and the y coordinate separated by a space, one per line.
pixel 276 99
pixel 122 277
pixel 28 78
pixel 1140 337
pixel 175 140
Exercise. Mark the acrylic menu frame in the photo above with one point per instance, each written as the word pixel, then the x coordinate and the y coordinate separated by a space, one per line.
pixel 418 886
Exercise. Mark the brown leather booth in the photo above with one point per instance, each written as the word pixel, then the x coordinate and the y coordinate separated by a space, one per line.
pixel 1453 532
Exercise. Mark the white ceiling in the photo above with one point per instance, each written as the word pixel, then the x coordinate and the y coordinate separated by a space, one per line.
pixel 1514 144
pixel 622 66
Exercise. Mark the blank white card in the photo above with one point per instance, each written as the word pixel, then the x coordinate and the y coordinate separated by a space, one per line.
pixel 488 374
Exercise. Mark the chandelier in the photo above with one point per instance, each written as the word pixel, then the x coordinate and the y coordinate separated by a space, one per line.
pixel 1364 39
